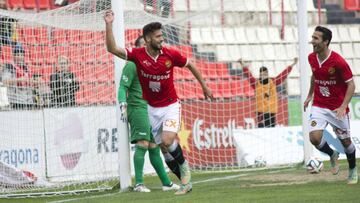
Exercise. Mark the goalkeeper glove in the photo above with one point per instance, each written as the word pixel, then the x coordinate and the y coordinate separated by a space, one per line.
pixel 123 107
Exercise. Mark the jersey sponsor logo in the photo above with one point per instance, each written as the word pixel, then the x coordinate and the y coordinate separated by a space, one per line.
pixel 154 86
pixel 155 77
pixel 313 123
pixel 168 63
pixel 171 123
pixel 325 82
pixel 332 71
pixel 324 91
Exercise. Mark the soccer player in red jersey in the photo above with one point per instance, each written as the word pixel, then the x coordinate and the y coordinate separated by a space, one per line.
pixel 331 89
pixel 155 65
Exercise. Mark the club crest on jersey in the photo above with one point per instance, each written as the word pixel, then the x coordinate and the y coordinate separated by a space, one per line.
pixel 168 63
pixel 313 123
pixel 332 70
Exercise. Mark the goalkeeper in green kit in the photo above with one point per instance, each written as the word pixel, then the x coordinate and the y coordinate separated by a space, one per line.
pixel 130 100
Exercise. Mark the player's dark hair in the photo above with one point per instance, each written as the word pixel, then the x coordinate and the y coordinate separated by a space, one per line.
pixel 151 27
pixel 263 69
pixel 138 41
pixel 327 34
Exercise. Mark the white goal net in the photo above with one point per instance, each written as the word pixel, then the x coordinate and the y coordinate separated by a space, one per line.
pixel 58 93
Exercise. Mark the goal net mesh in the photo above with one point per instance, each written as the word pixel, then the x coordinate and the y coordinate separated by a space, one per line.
pixel 58 92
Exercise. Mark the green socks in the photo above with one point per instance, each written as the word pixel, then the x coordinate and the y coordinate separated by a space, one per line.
pixel 139 163
pixel 157 163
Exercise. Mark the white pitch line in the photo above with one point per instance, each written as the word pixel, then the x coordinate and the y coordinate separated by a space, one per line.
pixel 196 182
pixel 111 194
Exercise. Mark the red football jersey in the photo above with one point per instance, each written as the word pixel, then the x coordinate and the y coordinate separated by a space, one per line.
pixel 330 80
pixel 156 74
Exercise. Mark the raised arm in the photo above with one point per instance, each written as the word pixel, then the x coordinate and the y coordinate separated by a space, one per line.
pixel 198 76
pixel 110 40
pixel 283 75
pixel 247 73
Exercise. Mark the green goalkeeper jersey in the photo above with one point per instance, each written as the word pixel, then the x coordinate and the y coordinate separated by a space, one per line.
pixel 130 88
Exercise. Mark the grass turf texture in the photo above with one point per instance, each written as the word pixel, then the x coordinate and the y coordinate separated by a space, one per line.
pixel 269 185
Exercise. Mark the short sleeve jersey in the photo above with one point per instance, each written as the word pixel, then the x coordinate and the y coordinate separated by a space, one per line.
pixel 156 74
pixel 330 80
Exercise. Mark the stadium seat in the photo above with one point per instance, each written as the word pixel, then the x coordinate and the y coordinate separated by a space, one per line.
pixel 336 47
pixel 356 68
pixel 357 84
pixel 218 35
pixel 291 50
pixel 357 50
pixel 195 35
pixel 344 33
pixel 59 37
pixel 269 52
pixel 238 5
pixel 180 90
pixel 280 53
pixel 225 89
pixel 216 91
pixel 206 35
pixel 289 34
pixel 251 35
pixel 28 36
pixel 263 35
pixel 245 52
pixel 222 70
pixel 43 36
pixel 229 35
pixel 178 5
pixel 222 53
pixel 274 34
pixel 240 35
pixel 234 52
pixel 6 54
pixel 354 33
pixel 14 4
pixel 31 4
pixel 257 52
pixel 347 50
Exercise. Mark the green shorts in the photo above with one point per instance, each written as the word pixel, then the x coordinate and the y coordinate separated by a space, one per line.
pixel 139 124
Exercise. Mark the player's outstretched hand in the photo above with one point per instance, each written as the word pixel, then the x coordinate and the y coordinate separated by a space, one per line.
pixel 340 112
pixel 109 16
pixel 207 93
pixel 306 103
pixel 295 61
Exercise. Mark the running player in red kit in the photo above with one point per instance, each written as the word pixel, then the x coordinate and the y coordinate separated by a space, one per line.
pixel 155 65
pixel 331 89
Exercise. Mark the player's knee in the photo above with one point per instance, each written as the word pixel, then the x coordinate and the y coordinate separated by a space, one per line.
pixel 315 138
pixel 168 138
pixel 143 143
pixel 346 142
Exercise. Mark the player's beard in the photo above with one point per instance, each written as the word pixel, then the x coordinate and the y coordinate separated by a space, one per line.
pixel 156 46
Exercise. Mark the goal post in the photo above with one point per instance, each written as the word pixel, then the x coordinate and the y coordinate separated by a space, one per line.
pixel 123 138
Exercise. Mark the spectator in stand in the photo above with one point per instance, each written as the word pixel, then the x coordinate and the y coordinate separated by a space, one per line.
pixel 19 82
pixel 42 92
pixel 63 84
pixel 265 93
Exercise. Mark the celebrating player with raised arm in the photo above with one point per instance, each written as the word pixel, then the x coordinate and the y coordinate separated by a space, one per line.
pixel 331 89
pixel 155 65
